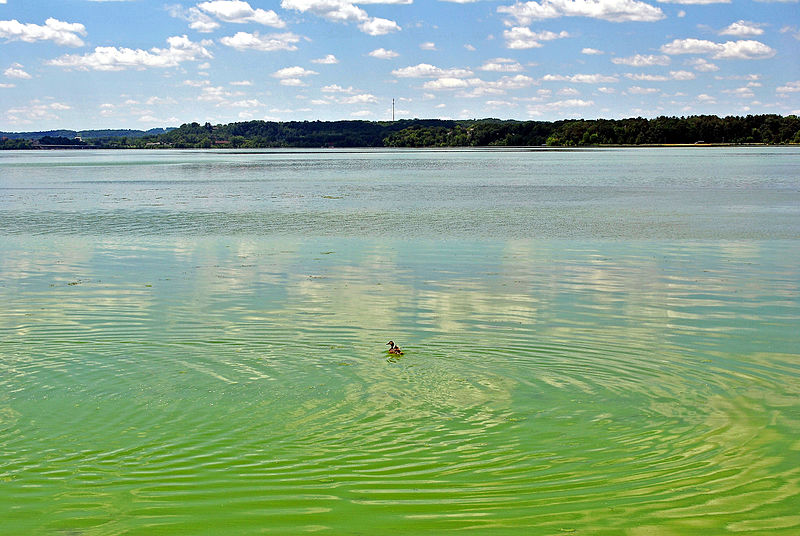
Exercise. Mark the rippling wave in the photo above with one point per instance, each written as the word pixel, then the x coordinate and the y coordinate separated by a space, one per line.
pixel 207 371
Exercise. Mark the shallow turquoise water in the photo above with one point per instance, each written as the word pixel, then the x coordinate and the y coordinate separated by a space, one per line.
pixel 595 342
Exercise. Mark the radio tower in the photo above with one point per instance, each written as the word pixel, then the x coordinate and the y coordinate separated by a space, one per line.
pixel 392 110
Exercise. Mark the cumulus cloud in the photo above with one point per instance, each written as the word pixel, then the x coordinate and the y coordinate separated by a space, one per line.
pixel 383 54
pixel 742 28
pixel 522 38
pixel 789 87
pixel 181 49
pixel 198 20
pixel 425 70
pixel 702 65
pixel 502 65
pixel 636 90
pixel 363 98
pixel 592 51
pixel 609 10
pixel 429 45
pixel 673 75
pixel 791 30
pixel 264 43
pixel 61 33
pixel 239 12
pixel 581 78
pixel 16 71
pixel 640 60
pixel 336 88
pixel 293 72
pixel 478 87
pixel 741 92
pixel 35 111
pixel 742 50
pixel 378 26
pixel 343 11
pixel 330 59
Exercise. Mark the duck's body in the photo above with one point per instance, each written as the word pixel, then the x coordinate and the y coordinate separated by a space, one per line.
pixel 394 349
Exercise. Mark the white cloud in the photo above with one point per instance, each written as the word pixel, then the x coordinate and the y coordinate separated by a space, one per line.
pixel 743 28
pixel 480 88
pixel 216 94
pixel 428 46
pixel 378 26
pixel 673 75
pixel 581 78
pixel 264 43
pixel 241 83
pixel 592 51
pixel 61 33
pixel 343 11
pixel 610 10
pixel 7 86
pixel 646 77
pixel 425 70
pixel 571 103
pixel 330 59
pixel 568 92
pixel 335 88
pixel 383 54
pixel 706 99
pixel 741 92
pixel 246 103
pixel 364 98
pixel 790 87
pixel 16 71
pixel 523 38
pixel 702 65
pixel 791 30
pixel 198 20
pixel 607 90
pixel 293 72
pixel 36 111
pixel 682 75
pixel 196 83
pixel 640 60
pixel 636 90
pixel 239 12
pixel 502 65
pixel 296 82
pixel 742 50
pixel 181 49
pixel 446 83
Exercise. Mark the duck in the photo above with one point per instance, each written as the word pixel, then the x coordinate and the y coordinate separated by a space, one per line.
pixel 394 349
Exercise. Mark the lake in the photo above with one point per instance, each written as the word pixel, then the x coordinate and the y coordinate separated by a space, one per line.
pixel 595 342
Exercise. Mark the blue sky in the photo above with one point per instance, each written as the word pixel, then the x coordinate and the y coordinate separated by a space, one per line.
pixel 87 64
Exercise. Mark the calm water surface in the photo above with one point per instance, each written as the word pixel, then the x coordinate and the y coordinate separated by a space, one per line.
pixel 596 342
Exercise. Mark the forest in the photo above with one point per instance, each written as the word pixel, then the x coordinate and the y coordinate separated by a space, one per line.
pixel 699 129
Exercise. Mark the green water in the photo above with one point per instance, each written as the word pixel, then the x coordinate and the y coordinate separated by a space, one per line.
pixel 595 342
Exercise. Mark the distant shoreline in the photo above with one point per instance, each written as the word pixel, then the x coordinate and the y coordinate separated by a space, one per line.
pixel 692 131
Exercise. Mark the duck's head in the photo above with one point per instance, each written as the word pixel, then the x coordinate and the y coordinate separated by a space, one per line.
pixel 390 344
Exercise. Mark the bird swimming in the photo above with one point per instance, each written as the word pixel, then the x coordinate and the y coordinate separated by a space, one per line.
pixel 394 349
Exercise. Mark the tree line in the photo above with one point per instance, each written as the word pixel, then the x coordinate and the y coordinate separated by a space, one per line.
pixel 751 129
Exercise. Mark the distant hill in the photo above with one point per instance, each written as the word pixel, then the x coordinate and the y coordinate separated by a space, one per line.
pixel 85 134
pixel 697 129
